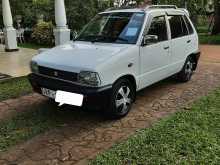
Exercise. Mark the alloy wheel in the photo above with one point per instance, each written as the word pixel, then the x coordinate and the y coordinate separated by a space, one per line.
pixel 189 69
pixel 123 100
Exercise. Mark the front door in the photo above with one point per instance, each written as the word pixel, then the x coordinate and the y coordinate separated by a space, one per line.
pixel 155 56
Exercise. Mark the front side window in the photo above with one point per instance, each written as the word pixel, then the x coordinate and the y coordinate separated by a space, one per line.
pixel 122 27
pixel 159 28
pixel 177 26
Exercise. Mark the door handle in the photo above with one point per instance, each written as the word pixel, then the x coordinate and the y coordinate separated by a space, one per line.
pixel 167 47
pixel 188 41
pixel 130 65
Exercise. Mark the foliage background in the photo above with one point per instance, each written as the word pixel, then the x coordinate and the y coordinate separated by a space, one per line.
pixel 79 12
pixel 43 33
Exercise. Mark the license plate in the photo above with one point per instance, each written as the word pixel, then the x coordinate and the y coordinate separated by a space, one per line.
pixel 63 97
pixel 49 93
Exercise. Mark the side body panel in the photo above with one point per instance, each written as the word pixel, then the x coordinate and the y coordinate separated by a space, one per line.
pixel 125 63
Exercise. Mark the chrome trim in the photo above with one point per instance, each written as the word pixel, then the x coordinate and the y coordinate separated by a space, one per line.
pixel 161 7
pixel 75 83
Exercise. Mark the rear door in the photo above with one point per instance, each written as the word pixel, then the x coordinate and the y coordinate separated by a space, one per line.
pixel 192 43
pixel 179 41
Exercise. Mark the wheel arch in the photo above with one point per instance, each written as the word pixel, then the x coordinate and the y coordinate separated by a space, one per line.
pixel 195 57
pixel 130 78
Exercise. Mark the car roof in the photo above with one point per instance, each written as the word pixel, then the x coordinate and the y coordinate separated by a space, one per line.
pixel 149 10
pixel 134 10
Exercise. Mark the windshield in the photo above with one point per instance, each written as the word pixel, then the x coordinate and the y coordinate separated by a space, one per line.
pixel 123 28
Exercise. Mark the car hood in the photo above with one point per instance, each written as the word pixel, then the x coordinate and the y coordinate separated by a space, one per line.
pixel 77 56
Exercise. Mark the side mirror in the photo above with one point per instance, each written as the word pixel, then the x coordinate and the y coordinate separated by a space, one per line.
pixel 150 39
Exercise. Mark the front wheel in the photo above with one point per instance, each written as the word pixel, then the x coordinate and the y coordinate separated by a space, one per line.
pixel 122 98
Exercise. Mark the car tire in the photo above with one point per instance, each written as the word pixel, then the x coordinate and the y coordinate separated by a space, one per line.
pixel 121 99
pixel 186 73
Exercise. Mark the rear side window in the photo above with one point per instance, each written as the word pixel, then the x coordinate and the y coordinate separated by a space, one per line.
pixel 190 28
pixel 177 26
pixel 158 27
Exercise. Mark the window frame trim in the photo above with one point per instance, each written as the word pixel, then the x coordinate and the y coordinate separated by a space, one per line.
pixel 182 16
pixel 185 24
pixel 148 25
pixel 188 19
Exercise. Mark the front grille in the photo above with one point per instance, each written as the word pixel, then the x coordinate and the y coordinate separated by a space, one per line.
pixel 71 76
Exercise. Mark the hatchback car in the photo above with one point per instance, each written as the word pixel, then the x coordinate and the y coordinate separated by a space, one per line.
pixel 118 53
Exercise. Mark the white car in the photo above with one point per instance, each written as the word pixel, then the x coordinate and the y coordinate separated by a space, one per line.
pixel 118 53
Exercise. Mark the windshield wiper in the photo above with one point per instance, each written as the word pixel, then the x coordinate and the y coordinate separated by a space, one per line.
pixel 98 38
pixel 122 39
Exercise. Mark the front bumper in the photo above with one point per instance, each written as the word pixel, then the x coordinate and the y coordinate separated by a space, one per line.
pixel 93 96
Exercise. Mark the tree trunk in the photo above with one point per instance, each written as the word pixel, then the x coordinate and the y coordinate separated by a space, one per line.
pixel 216 27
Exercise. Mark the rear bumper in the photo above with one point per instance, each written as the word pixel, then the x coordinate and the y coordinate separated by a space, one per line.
pixel 93 96
pixel 196 56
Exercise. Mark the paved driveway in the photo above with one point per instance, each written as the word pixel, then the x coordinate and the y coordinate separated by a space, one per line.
pixel 16 64
pixel 86 134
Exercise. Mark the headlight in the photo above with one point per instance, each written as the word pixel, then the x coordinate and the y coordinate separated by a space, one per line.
pixel 34 67
pixel 89 78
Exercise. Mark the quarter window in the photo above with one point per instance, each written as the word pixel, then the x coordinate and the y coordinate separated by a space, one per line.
pixel 159 28
pixel 184 27
pixel 177 26
pixel 189 25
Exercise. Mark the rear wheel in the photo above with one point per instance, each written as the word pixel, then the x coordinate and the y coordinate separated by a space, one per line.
pixel 122 98
pixel 186 73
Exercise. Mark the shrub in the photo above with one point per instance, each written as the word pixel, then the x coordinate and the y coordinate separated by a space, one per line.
pixel 43 33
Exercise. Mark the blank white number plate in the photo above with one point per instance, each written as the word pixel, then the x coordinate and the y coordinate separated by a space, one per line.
pixel 63 97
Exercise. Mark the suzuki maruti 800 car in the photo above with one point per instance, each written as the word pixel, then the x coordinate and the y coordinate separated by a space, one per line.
pixel 117 54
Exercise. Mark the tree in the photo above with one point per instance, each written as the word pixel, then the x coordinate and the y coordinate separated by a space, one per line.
pixel 216 27
pixel 120 3
pixel 29 10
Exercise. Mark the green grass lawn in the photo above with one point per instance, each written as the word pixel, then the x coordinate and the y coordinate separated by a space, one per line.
pixel 15 87
pixel 38 119
pixel 205 38
pixel 29 124
pixel 187 137
pixel 208 39
pixel 26 125
pixel 33 46
pixel 202 29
